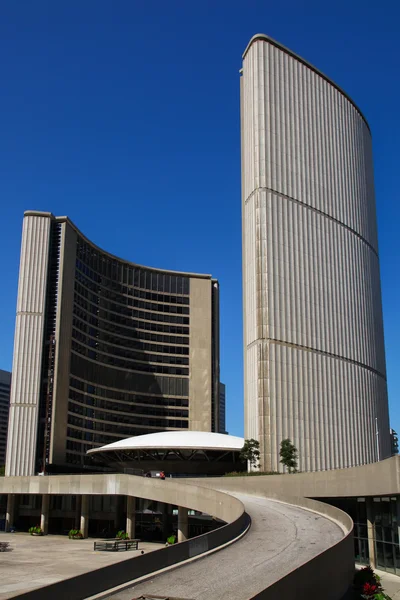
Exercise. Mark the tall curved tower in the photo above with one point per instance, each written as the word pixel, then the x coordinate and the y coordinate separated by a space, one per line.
pixel 104 349
pixel 313 332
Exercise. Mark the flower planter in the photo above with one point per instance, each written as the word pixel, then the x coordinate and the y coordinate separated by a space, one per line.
pixel 37 534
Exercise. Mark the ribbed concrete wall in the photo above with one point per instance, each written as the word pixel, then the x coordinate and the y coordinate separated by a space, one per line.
pixel 28 343
pixel 314 350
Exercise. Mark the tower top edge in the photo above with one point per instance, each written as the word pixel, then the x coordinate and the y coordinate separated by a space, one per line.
pixel 266 38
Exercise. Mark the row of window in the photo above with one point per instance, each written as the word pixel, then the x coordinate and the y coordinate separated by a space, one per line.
pixel 134 326
pixel 135 355
pixel 122 405
pixel 86 390
pixel 120 315
pixel 122 430
pixel 95 264
pixel 120 416
pixel 98 338
pixel 112 333
pixel 118 292
pixel 122 295
pixel 106 359
pixel 110 377
pixel 103 299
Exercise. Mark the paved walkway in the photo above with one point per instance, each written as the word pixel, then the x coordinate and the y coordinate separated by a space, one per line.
pixel 37 561
pixel 281 538
pixel 391 584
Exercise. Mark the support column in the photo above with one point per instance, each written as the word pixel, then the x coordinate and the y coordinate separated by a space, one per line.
pixel 44 515
pixel 183 524
pixel 118 514
pixel 371 532
pixel 167 521
pixel 77 523
pixel 84 516
pixel 10 511
pixel 130 516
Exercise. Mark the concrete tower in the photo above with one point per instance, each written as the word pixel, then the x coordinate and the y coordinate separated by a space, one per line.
pixel 314 350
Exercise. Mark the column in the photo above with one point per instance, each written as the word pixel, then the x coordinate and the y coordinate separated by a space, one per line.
pixel 84 516
pixel 78 507
pixel 168 520
pixel 130 516
pixel 118 514
pixel 10 511
pixel 183 524
pixel 44 514
pixel 371 532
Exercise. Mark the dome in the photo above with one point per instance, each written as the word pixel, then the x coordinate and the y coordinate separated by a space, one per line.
pixel 177 440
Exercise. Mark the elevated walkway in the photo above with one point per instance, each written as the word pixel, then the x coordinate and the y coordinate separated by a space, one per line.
pixel 293 545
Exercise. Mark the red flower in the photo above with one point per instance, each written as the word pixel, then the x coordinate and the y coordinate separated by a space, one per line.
pixel 370 589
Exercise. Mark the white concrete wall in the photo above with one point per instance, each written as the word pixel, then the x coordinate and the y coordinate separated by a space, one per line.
pixel 28 342
pixel 311 278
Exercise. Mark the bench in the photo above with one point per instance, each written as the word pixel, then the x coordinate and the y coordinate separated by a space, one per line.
pixel 116 545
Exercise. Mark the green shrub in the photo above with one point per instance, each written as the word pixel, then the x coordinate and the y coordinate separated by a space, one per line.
pixel 251 474
pixel 36 529
pixel 122 535
pixel 75 534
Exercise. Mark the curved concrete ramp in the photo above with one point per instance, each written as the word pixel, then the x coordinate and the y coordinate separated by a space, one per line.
pixel 296 548
pixel 282 537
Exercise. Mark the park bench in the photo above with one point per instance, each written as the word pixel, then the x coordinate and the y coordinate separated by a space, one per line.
pixel 116 545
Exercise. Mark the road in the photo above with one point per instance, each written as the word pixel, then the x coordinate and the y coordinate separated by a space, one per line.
pixel 281 538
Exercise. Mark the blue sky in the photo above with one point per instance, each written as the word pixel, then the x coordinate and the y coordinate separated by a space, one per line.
pixel 124 115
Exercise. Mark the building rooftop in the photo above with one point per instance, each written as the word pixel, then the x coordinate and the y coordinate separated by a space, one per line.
pixel 265 38
pixel 177 440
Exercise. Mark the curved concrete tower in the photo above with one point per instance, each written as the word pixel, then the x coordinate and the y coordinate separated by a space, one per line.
pixel 313 333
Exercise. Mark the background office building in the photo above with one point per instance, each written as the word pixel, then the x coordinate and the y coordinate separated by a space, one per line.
pixel 104 350
pixel 314 350
pixel 5 384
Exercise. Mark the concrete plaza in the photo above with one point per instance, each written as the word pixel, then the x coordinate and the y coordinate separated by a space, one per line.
pixel 37 561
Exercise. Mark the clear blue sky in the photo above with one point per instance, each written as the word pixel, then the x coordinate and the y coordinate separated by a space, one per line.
pixel 124 115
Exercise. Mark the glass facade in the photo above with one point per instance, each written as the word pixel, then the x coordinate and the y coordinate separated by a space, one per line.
pixel 383 514
pixel 386 531
pixel 129 372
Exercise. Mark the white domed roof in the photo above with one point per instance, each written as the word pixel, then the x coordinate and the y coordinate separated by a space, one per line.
pixel 190 440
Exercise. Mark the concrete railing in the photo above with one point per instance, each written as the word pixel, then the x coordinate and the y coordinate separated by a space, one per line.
pixel 375 479
pixel 170 491
pixel 213 502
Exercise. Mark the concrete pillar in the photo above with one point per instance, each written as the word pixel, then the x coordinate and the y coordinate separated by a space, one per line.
pixel 183 524
pixel 44 514
pixel 84 516
pixel 78 507
pixel 118 514
pixel 130 516
pixel 10 514
pixel 371 532
pixel 167 520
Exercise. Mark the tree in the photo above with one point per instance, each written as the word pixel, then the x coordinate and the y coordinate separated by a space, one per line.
pixel 288 454
pixel 250 452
